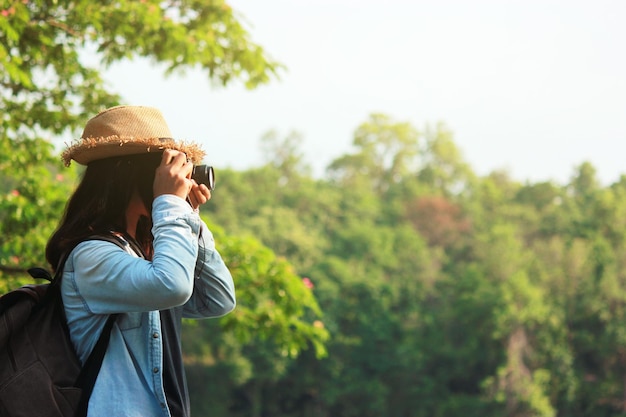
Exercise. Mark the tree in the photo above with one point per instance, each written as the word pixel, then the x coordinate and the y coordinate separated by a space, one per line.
pixel 276 318
pixel 438 220
pixel 444 169
pixel 386 151
pixel 285 154
pixel 46 89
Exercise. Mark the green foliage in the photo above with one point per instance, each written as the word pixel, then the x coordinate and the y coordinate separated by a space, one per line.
pixel 274 302
pixel 444 293
pixel 386 151
pixel 32 199
pixel 277 317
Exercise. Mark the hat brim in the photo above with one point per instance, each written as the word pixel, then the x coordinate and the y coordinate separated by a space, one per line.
pixel 86 150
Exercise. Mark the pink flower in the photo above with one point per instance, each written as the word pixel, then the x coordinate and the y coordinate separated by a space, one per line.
pixel 15 193
pixel 307 283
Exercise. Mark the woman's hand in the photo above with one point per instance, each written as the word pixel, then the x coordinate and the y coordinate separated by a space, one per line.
pixel 173 176
pixel 198 195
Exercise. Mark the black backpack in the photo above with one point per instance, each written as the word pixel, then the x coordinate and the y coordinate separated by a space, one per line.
pixel 40 373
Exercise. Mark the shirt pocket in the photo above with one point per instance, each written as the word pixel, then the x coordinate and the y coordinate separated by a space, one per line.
pixel 130 321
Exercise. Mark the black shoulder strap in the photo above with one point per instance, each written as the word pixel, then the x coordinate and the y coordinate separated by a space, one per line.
pixel 123 241
pixel 89 373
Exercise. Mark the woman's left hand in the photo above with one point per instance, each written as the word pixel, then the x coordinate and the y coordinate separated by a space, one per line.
pixel 198 195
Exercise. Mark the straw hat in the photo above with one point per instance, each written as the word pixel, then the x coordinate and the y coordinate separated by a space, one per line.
pixel 126 130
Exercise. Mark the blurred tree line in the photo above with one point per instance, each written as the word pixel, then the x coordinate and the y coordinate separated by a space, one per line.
pixel 399 284
pixel 445 293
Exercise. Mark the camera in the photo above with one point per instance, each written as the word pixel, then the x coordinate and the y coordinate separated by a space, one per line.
pixel 203 174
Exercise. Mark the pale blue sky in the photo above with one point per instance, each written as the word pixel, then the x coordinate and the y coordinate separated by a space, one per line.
pixel 534 87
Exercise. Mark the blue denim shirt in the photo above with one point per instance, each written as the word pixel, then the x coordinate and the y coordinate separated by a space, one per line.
pixel 100 278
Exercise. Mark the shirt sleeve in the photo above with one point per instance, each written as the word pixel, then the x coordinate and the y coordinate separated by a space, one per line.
pixel 214 289
pixel 110 280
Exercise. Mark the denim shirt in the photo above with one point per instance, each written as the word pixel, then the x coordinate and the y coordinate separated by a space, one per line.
pixel 100 278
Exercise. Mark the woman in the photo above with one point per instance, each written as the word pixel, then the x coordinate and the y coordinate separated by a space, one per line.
pixel 137 187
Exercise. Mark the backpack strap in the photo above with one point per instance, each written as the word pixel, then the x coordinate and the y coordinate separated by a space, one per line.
pixel 89 373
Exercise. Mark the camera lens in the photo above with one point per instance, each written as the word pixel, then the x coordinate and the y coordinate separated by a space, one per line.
pixel 203 174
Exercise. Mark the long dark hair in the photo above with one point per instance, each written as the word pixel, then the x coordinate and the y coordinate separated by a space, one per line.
pixel 98 205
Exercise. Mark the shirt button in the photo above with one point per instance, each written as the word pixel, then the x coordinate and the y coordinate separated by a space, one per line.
pixel 155 335
pixel 155 370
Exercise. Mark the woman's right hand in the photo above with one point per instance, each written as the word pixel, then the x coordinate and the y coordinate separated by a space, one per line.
pixel 173 175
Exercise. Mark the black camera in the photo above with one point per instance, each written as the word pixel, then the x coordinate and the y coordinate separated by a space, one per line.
pixel 203 174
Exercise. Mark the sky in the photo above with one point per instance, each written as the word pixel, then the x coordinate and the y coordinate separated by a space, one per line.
pixel 534 87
